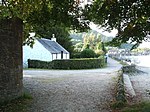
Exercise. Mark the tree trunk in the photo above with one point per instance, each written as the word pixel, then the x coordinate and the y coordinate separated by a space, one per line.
pixel 11 74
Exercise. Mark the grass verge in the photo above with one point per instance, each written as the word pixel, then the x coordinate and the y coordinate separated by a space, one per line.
pixel 120 99
pixel 140 107
pixel 17 105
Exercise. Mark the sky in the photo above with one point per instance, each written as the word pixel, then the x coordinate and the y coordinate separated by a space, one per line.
pixel 95 27
pixel 145 45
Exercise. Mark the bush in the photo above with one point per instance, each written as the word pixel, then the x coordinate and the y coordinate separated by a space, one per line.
pixel 88 53
pixel 76 55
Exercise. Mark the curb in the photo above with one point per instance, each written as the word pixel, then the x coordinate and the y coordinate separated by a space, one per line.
pixel 124 87
pixel 128 86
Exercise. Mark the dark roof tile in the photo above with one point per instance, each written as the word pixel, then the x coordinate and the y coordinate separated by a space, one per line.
pixel 52 46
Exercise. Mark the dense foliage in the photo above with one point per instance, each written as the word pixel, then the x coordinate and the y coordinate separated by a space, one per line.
pixel 130 17
pixel 42 13
pixel 68 64
pixel 87 53
pixel 39 64
pixel 92 40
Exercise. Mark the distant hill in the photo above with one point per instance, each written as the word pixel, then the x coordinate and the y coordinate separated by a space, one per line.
pixel 78 37
pixel 126 46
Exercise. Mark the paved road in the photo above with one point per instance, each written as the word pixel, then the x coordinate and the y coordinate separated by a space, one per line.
pixel 72 90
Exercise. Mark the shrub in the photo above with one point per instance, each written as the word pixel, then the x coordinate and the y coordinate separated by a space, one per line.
pixel 76 55
pixel 88 53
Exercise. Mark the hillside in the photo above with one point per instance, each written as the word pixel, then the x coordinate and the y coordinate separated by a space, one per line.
pixel 78 37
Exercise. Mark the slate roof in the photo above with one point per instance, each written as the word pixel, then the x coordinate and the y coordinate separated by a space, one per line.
pixel 52 46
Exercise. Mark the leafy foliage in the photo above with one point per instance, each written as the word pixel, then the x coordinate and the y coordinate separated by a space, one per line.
pixel 88 53
pixel 91 40
pixel 130 17
pixel 43 13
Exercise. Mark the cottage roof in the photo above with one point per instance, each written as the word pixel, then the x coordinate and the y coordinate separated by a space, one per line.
pixel 52 46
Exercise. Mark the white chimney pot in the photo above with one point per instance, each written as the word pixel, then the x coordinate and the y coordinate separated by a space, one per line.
pixel 53 38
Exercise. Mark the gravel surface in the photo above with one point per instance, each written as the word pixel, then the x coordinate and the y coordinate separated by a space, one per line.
pixel 72 90
pixel 141 84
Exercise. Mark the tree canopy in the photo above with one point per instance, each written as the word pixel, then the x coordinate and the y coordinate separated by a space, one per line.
pixel 43 13
pixel 130 17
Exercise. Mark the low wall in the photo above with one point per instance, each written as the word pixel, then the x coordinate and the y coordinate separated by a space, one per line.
pixel 128 68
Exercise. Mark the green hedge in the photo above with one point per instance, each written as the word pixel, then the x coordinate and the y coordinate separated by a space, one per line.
pixel 86 63
pixel 39 64
pixel 78 63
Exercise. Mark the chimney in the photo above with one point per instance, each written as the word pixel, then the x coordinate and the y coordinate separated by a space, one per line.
pixel 53 38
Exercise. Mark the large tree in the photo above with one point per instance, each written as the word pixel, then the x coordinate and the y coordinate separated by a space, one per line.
pixel 130 17
pixel 32 14
pixel 42 13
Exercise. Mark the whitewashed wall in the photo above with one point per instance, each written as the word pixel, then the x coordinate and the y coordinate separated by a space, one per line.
pixel 38 52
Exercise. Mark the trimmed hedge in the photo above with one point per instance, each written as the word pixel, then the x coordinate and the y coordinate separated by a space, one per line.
pixel 86 63
pixel 39 64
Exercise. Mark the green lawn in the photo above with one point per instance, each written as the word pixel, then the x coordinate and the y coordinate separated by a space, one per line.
pixel 18 105
pixel 140 107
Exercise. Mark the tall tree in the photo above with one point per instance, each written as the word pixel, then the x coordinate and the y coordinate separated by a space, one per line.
pixel 92 40
pixel 130 17
pixel 32 14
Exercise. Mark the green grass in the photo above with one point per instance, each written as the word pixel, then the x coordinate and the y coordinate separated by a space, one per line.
pixel 118 105
pixel 17 105
pixel 140 107
pixel 36 69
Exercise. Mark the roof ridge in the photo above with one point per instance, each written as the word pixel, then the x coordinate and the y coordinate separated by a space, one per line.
pixel 52 46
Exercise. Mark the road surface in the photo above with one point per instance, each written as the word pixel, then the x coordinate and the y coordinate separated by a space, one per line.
pixel 72 90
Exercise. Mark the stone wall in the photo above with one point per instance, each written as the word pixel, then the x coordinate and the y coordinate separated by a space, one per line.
pixel 11 74
pixel 128 68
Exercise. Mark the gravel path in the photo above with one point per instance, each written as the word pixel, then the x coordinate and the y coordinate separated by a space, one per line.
pixel 72 90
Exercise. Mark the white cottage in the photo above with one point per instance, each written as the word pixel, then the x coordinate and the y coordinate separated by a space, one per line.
pixel 44 50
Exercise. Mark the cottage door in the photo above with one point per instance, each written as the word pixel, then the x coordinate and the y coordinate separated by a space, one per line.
pixel 61 54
